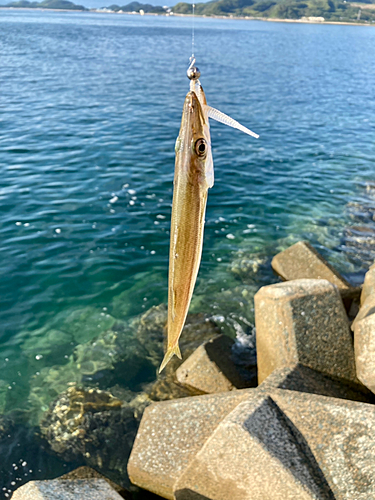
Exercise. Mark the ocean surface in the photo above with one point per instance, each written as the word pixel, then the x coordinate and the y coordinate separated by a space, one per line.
pixel 90 108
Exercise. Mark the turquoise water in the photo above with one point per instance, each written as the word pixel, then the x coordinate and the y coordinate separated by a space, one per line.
pixel 90 107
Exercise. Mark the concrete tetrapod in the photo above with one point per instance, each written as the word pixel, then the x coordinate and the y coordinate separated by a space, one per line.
pixel 170 435
pixel 302 261
pixel 286 445
pixel 368 288
pixel 364 346
pixel 82 489
pixel 302 379
pixel 210 368
pixel 367 309
pixel 303 322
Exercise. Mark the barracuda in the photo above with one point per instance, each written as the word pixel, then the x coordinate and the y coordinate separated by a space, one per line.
pixel 194 175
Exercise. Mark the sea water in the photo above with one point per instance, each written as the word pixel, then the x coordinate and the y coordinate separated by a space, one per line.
pixel 90 107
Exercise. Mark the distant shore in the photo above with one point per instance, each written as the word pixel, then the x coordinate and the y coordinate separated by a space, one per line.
pixel 233 18
pixel 276 20
pixel 3 7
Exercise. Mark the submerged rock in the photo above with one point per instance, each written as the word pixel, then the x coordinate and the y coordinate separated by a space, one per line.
pixel 49 343
pixel 85 324
pixel 4 389
pixel 114 355
pixel 122 305
pixel 46 385
pixel 93 426
pixel 358 239
pixel 247 266
pixel 130 302
pixel 360 242
pixel 150 332
pixel 129 354
pixel 361 211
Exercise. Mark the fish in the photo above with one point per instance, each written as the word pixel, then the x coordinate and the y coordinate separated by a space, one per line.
pixel 194 175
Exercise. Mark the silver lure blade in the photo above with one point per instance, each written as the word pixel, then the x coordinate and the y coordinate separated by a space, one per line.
pixel 217 115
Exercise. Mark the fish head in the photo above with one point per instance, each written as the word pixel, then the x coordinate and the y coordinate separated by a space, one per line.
pixel 193 145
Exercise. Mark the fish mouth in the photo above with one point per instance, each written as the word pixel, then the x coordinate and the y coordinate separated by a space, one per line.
pixel 192 104
pixel 191 99
pixel 192 111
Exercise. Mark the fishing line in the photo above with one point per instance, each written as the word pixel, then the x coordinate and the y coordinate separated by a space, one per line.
pixel 193 72
pixel 192 36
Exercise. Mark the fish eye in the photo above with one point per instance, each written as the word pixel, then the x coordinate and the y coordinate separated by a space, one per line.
pixel 201 147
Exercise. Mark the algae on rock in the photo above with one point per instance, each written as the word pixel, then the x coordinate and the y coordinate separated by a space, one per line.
pixel 247 266
pixel 95 427
pixel 47 384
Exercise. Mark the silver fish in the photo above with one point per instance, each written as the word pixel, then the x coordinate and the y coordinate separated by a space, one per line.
pixel 194 175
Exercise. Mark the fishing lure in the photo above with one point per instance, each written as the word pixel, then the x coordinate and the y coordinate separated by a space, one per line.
pixel 194 175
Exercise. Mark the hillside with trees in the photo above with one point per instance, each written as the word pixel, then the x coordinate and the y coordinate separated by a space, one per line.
pixel 313 10
pixel 47 4
pixel 136 7
pixel 330 10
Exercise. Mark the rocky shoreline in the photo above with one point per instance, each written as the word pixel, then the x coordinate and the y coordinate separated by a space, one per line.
pixel 298 422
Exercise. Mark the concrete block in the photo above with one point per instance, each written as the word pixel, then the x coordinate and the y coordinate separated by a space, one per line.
pixel 364 347
pixel 170 435
pixel 82 489
pixel 85 472
pixel 286 446
pixel 302 379
pixel 368 285
pixel 210 368
pixel 367 308
pixel 302 261
pixel 303 322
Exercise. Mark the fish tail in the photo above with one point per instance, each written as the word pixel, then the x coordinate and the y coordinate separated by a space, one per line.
pixel 175 350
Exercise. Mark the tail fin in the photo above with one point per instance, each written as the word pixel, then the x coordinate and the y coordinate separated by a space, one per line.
pixel 169 355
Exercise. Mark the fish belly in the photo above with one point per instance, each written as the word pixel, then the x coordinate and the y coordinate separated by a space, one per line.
pixel 187 225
